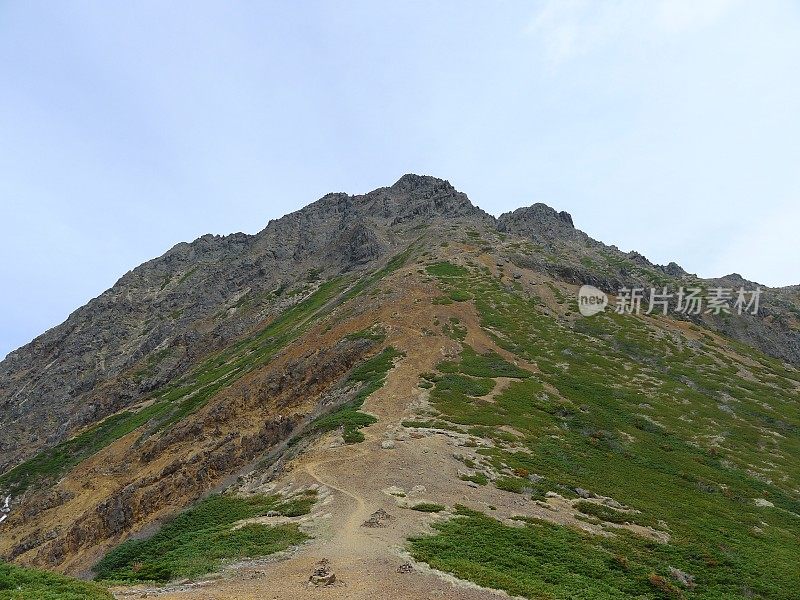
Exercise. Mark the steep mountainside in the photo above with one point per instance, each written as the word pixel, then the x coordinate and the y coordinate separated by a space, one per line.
pixel 168 313
pixel 403 351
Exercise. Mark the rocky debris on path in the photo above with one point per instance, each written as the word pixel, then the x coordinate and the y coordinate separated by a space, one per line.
pixel 405 569
pixel 683 577
pixel 255 575
pixel 378 519
pixel 387 444
pixel 322 574
pixel 418 490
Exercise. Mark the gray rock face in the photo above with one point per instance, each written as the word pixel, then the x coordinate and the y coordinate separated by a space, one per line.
pixel 674 269
pixel 542 224
pixel 162 317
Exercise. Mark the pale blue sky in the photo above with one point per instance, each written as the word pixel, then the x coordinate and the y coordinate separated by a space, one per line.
pixel 668 127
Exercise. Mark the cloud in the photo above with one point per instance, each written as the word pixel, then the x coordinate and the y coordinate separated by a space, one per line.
pixel 676 16
pixel 569 28
pixel 761 251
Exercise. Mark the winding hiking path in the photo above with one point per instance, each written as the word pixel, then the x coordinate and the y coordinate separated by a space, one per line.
pixel 364 559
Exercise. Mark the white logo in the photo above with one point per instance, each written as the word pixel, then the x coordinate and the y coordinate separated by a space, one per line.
pixel 591 300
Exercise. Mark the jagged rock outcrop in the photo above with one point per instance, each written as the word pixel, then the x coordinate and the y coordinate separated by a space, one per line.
pixel 542 224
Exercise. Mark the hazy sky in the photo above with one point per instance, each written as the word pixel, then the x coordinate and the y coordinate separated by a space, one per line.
pixel 669 127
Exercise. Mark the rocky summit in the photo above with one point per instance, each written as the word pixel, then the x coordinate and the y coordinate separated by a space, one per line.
pixel 398 395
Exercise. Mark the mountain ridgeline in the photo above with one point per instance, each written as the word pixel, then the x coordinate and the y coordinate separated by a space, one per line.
pixel 223 361
pixel 166 314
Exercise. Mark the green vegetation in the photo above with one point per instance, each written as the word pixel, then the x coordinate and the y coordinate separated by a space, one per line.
pixel 446 269
pixel 691 436
pixel 520 485
pixel 470 386
pixel 483 365
pixel 394 263
pixel 152 362
pixel 458 393
pixel 430 424
pixel 371 375
pixel 373 334
pixel 616 264
pixel 542 560
pixel 18 583
pixel 187 275
pixel 349 418
pixel 479 478
pixel 52 462
pixel 455 330
pixel 192 391
pixel 198 540
pixel 557 293
pixel 428 507
pixel 460 296
pixel 610 515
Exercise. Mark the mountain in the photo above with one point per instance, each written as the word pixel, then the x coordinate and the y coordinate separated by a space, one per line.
pixel 371 355
pixel 163 316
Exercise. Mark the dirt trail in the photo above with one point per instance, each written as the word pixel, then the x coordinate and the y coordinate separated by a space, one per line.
pixel 357 480
pixel 364 559
pixel 349 530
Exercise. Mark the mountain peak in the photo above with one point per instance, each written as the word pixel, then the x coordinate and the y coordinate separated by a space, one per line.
pixel 414 182
pixel 540 222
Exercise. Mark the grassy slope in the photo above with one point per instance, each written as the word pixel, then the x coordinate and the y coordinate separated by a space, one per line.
pixel 685 433
pixel 199 539
pixel 51 463
pixel 18 583
pixel 371 375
